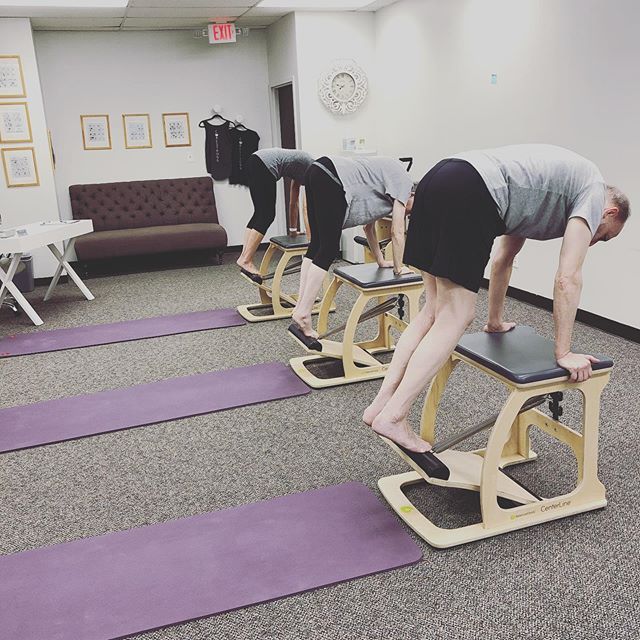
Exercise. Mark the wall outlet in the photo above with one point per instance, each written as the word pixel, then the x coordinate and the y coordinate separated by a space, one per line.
pixel 516 262
pixel 189 157
pixel 494 78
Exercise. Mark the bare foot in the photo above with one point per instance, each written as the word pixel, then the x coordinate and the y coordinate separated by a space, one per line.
pixel 247 265
pixel 304 322
pixel 400 433
pixel 372 411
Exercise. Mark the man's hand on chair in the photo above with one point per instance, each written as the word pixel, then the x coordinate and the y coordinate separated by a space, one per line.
pixel 578 365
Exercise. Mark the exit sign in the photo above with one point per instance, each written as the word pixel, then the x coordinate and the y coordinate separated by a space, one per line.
pixel 222 32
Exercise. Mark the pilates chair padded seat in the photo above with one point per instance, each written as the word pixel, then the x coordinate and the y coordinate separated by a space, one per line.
pixel 520 355
pixel 288 242
pixel 371 276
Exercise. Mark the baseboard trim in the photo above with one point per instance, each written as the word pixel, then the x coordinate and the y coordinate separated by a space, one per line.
pixel 586 317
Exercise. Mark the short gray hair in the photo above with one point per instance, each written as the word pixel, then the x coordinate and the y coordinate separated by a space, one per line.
pixel 619 200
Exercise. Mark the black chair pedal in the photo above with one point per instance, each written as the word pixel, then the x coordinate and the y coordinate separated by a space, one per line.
pixel 254 277
pixel 428 462
pixel 310 343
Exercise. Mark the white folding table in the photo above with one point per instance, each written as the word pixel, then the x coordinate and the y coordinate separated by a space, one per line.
pixel 36 235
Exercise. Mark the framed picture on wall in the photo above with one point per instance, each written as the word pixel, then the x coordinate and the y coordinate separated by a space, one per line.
pixel 11 78
pixel 20 168
pixel 177 131
pixel 96 132
pixel 15 125
pixel 137 130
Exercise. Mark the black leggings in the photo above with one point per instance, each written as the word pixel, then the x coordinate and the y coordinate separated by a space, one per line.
pixel 262 186
pixel 326 208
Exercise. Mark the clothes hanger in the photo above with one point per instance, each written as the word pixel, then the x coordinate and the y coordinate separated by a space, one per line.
pixel 216 114
pixel 237 124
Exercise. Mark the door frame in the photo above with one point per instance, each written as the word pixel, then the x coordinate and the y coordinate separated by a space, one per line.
pixel 281 214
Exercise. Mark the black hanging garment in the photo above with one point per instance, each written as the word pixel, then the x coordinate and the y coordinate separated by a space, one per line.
pixel 217 150
pixel 243 143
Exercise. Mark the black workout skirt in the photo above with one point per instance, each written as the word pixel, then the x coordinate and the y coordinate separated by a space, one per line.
pixel 453 224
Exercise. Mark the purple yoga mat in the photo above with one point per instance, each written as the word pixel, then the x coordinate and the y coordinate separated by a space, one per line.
pixel 59 339
pixel 132 581
pixel 80 416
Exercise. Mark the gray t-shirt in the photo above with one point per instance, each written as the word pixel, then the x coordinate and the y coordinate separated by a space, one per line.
pixel 371 184
pixel 286 163
pixel 539 187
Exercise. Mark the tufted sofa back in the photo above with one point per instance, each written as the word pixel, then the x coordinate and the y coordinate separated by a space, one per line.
pixel 144 203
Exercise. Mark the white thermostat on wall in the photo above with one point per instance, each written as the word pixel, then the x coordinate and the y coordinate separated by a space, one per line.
pixel 343 87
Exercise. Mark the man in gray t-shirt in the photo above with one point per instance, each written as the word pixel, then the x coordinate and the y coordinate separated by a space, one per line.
pixel 464 202
pixel 538 187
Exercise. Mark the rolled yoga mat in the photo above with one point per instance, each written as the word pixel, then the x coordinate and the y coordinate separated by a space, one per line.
pixel 133 581
pixel 76 337
pixel 88 415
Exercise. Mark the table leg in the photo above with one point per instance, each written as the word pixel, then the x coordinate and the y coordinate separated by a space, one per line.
pixel 8 286
pixel 64 264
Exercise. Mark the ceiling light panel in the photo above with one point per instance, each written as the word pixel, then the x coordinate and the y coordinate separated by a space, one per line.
pixel 184 12
pixel 75 24
pixel 245 4
pixel 60 12
pixel 58 4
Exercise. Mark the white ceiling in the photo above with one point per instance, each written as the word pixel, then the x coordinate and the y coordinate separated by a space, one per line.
pixel 158 14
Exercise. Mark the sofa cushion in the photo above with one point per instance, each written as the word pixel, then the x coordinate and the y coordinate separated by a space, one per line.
pixel 157 239
pixel 144 203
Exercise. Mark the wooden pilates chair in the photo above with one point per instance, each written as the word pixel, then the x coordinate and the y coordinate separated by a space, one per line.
pixel 525 363
pixel 275 303
pixel 355 361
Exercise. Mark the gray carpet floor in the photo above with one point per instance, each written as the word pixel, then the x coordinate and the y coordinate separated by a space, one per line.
pixel 576 578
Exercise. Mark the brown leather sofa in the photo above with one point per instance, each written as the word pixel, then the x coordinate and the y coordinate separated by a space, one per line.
pixel 147 217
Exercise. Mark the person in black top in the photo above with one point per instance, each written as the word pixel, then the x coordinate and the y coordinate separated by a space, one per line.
pixel 266 167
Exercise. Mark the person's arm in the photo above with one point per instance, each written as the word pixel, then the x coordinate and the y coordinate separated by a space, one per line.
pixel 374 246
pixel 566 296
pixel 501 267
pixel 398 216
pixel 294 198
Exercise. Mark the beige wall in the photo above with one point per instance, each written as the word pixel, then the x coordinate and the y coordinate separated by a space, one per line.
pixel 151 72
pixel 23 205
pixel 567 75
pixel 321 38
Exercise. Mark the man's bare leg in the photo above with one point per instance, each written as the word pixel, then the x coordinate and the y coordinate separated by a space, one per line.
pixel 407 344
pixel 313 279
pixel 455 308
pixel 252 240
